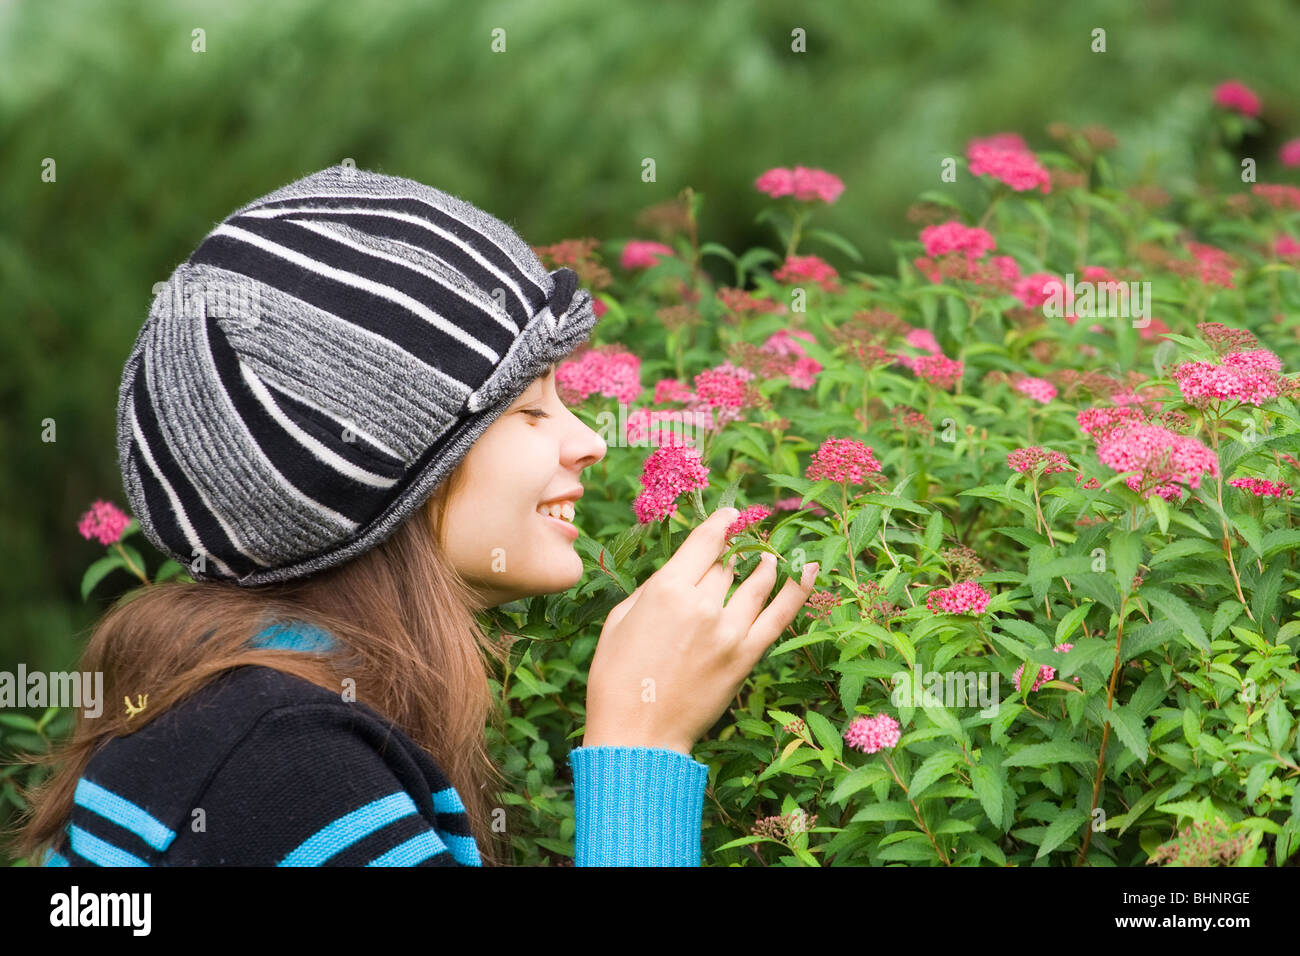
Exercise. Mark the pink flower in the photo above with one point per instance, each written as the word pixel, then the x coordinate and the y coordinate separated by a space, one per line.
pixel 1254 360
pixel 1264 489
pixel 671 390
pixel 1036 288
pixel 640 254
pixel 747 517
pixel 1278 196
pixel 1100 422
pixel 1018 168
pixel 1290 152
pixel 1007 268
pixel 104 522
pixel 952 236
pixel 1040 390
pixel 871 734
pixel 1026 460
pixel 964 598
pixel 721 388
pixel 607 369
pixel 1045 672
pixel 786 342
pixel 924 340
pixel 1237 96
pixel 938 370
pixel 668 473
pixel 1204 382
pixel 802 183
pixel 803 373
pixel 1163 458
pixel 1286 248
pixel 1011 141
pixel 1215 265
pixel 797 268
pixel 644 424
pixel 793 504
pixel 843 459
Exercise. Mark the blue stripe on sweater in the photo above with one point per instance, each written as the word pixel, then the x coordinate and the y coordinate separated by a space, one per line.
pixel 294 636
pixel 100 852
pixel 463 849
pixel 124 813
pixel 448 801
pixel 55 859
pixel 350 828
pixel 413 852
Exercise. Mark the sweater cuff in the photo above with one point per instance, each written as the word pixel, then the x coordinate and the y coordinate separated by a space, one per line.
pixel 637 806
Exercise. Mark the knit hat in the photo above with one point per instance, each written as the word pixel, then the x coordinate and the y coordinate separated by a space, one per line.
pixel 321 362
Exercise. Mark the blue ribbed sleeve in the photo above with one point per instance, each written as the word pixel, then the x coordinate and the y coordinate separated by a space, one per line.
pixel 637 806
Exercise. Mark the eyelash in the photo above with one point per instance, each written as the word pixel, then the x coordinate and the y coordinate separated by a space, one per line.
pixel 535 412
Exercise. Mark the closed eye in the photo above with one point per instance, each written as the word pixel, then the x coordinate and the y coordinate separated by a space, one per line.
pixel 535 412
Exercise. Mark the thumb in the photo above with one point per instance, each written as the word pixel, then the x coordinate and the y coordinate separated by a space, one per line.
pixel 621 609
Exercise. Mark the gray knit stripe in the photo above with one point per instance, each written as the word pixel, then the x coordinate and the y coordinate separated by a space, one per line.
pixel 309 376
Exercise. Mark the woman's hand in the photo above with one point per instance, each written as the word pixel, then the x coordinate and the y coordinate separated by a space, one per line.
pixel 671 655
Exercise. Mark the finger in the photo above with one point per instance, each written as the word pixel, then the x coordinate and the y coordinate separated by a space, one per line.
pixel 777 616
pixel 749 598
pixel 700 549
pixel 623 607
pixel 717 581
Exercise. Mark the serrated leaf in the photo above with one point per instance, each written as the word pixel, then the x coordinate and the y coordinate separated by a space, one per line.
pixel 1178 611
pixel 1060 830
pixel 1056 751
pixel 988 781
pixel 1130 729
pixel 825 733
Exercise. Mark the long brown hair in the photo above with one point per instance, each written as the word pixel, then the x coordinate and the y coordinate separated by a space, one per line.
pixel 407 633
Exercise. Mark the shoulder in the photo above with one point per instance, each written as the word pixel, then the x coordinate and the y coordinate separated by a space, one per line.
pixel 253 767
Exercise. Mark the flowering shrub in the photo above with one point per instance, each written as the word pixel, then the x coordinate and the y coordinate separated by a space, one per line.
pixel 923 462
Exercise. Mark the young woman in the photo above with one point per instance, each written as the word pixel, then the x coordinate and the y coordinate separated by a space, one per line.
pixel 341 415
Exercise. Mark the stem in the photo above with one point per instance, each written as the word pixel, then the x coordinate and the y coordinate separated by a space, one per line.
pixel 131 564
pixel 943 856
pixel 844 530
pixel 1105 731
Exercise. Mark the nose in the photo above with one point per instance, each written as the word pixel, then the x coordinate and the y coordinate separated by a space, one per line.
pixel 585 447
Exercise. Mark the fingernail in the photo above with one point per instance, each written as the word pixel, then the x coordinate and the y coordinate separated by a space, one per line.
pixel 809 574
pixel 731 513
pixel 768 557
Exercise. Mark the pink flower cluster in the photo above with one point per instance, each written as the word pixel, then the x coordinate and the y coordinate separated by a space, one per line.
pixel 871 734
pixel 1249 377
pixel 939 370
pixel 1214 265
pixel 651 425
pixel 1262 488
pixel 924 340
pixel 668 473
pixel 1036 288
pixel 640 254
pixel 671 390
pixel 1040 390
pixel 1164 459
pixel 1286 247
pixel 104 522
pixel 952 236
pixel 1289 154
pixel 1234 95
pixel 1045 672
pixel 843 459
pixel 747 517
pixel 793 359
pixel 801 183
pixel 1029 459
pixel 608 370
pixel 1278 196
pixel 1100 422
pixel 964 598
pixel 797 268
pixel 1009 163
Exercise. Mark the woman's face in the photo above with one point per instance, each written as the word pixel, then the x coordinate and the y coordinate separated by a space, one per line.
pixel 494 535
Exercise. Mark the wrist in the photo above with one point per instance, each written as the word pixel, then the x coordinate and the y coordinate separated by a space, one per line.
pixel 635 740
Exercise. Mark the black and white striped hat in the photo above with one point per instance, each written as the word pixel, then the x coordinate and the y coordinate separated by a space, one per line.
pixel 323 360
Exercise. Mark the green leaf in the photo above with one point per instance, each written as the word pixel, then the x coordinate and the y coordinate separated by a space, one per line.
pixel 1130 729
pixel 825 733
pixel 1060 830
pixel 1178 611
pixel 98 571
pixel 860 778
pixel 988 782
pixel 1126 552
pixel 19 722
pixel 170 569
pixel 1056 751
pixel 835 240
pixel 931 769
pixel 1160 509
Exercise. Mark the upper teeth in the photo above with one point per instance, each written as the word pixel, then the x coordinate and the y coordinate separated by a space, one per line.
pixel 563 511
